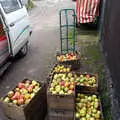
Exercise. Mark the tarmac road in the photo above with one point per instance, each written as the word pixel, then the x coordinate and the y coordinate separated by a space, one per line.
pixel 44 42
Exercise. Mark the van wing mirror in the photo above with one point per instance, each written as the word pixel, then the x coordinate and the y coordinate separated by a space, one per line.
pixel 24 2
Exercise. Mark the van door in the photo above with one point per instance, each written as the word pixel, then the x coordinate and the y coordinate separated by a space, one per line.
pixel 16 19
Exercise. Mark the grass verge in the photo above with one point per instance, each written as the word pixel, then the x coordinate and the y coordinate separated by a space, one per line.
pixel 92 61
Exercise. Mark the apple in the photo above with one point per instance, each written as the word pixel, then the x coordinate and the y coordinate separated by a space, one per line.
pixel 57 89
pixel 82 118
pixel 32 95
pixel 72 79
pixel 20 101
pixel 61 92
pixel 7 100
pixel 82 112
pixel 27 101
pixel 30 89
pixel 51 89
pixel 89 98
pixel 70 91
pixel 77 115
pixel 67 84
pixel 28 81
pixel 92 118
pixel 24 91
pixel 62 83
pixel 96 104
pixel 34 83
pixel 20 85
pixel 17 95
pixel 27 96
pixel 66 89
pixel 21 96
pixel 54 92
pixel 10 94
pixel 71 87
pixel 13 97
pixel 26 85
pixel 17 89
pixel 15 102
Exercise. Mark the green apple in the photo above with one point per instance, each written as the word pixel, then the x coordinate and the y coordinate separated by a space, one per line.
pixel 96 104
pixel 87 116
pixel 82 112
pixel 71 79
pixel 94 85
pixel 69 75
pixel 61 92
pixel 32 95
pixel 15 102
pixel 89 98
pixel 93 97
pixel 77 115
pixel 83 118
pixel 94 81
pixel 97 115
pixel 34 82
pixel 54 92
pixel 82 80
pixel 62 87
pixel 96 100
pixel 7 100
pixel 81 76
pixel 92 118
pixel 79 105
pixel 82 84
pixel 51 89
pixel 82 100
pixel 55 76
pixel 94 111
pixel 52 85
pixel 10 93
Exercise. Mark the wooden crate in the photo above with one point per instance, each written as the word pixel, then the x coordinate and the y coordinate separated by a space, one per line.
pixel 60 101
pixel 100 105
pixel 87 89
pixel 57 114
pixel 36 109
pixel 75 64
pixel 52 73
pixel 57 101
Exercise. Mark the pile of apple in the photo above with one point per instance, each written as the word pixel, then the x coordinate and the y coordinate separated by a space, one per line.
pixel 23 93
pixel 67 57
pixel 86 80
pixel 62 84
pixel 87 107
pixel 61 68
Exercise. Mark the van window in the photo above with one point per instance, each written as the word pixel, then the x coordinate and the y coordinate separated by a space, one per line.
pixel 10 5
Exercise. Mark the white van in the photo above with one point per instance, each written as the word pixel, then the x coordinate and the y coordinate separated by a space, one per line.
pixel 15 29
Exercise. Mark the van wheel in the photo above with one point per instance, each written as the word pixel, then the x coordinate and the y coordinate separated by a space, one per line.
pixel 23 51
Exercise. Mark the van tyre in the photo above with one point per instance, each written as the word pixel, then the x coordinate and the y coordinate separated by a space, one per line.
pixel 23 52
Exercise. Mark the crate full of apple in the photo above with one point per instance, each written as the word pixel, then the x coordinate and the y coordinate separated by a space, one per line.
pixel 68 57
pixel 59 68
pixel 27 94
pixel 88 107
pixel 60 93
pixel 23 92
pixel 86 82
